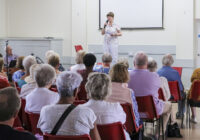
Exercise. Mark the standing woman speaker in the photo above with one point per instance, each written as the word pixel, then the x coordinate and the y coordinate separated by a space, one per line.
pixel 111 31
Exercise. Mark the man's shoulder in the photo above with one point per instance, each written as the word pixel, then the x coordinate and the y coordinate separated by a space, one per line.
pixel 24 135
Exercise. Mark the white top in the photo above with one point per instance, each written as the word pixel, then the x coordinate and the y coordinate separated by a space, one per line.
pixel 77 67
pixel 107 112
pixel 78 122
pixel 165 88
pixel 27 88
pixel 109 30
pixel 40 97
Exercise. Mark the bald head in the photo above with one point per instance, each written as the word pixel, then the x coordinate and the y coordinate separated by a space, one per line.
pixel 8 50
pixel 167 60
pixel 140 60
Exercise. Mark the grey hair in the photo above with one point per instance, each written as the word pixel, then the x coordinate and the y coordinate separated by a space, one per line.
pixel 28 62
pixel 106 58
pixel 32 70
pixel 140 58
pixel 48 54
pixel 123 60
pixel 67 82
pixel 167 60
pixel 98 86
pixel 10 103
pixel 79 57
pixel 152 64
pixel 44 75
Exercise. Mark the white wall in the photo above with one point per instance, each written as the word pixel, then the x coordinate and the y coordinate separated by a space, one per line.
pixel 2 18
pixel 197 9
pixel 40 18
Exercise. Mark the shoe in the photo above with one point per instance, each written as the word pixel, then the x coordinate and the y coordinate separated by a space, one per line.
pixel 193 120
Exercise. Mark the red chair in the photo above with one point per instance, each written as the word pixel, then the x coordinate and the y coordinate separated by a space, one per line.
pixel 112 131
pixel 161 94
pixel 33 120
pixel 78 102
pixel 78 48
pixel 179 69
pixel 19 129
pixel 148 112
pixel 130 123
pixel 100 63
pixel 56 137
pixel 53 88
pixel 17 122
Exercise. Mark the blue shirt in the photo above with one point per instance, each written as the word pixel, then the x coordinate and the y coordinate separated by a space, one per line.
pixel 17 75
pixel 21 82
pixel 171 75
pixel 101 69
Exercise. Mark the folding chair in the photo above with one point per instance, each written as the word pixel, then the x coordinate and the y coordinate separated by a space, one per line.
pixel 78 48
pixel 161 94
pixel 148 113
pixel 179 69
pixel 130 123
pixel 112 131
pixel 176 93
pixel 78 102
pixel 33 120
pixel 195 97
pixel 57 137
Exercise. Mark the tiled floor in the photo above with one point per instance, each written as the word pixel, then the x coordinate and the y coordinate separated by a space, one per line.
pixel 192 133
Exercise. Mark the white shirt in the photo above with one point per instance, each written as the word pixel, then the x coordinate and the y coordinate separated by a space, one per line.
pixel 27 88
pixel 40 97
pixel 165 88
pixel 109 30
pixel 78 122
pixel 107 112
pixel 77 67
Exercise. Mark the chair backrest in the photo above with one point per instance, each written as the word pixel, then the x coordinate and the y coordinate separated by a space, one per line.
pixel 78 102
pixel 174 90
pixel 112 131
pixel 56 137
pixel 161 94
pixel 78 48
pixel 146 107
pixel 53 88
pixel 130 118
pixel 17 122
pixel 179 69
pixel 33 121
pixel 195 92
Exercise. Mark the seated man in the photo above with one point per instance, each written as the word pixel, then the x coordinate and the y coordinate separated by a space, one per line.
pixel 144 83
pixel 10 54
pixel 172 75
pixel 9 107
pixel 105 68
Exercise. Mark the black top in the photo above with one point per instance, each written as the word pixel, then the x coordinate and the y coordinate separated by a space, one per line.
pixel 8 133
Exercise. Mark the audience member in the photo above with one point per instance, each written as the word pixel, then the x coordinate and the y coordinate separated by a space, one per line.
pixel 99 88
pixel 79 61
pixel 107 60
pixel 9 108
pixel 44 76
pixel 18 74
pixel 120 92
pixel 54 61
pixel 80 121
pixel 172 75
pixel 3 78
pixel 9 55
pixel 89 60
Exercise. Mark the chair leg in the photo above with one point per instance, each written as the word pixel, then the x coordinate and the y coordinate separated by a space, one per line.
pixel 163 133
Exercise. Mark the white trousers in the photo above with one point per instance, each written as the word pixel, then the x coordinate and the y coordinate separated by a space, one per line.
pixel 112 49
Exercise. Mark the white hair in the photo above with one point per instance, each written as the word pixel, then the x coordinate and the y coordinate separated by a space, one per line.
pixel 67 82
pixel 167 60
pixel 28 62
pixel 98 86
pixel 44 75
pixel 152 64
pixel 50 53
pixel 140 58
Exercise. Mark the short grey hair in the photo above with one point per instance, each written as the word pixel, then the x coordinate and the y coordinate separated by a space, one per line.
pixel 79 56
pixel 28 62
pixel 44 75
pixel 67 82
pixel 32 70
pixel 140 58
pixel 10 103
pixel 152 64
pixel 167 60
pixel 106 58
pixel 98 86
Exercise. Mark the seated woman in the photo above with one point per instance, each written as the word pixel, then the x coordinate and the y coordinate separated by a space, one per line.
pixel 195 77
pixel 99 88
pixel 31 84
pixel 27 63
pixel 79 61
pixel 18 74
pixel 81 120
pixel 152 66
pixel 41 96
pixel 107 60
pixel 3 78
pixel 120 92
pixel 54 61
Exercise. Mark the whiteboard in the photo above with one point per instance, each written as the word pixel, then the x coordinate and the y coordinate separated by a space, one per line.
pixel 133 14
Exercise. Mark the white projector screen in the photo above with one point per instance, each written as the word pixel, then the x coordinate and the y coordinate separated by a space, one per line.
pixel 133 14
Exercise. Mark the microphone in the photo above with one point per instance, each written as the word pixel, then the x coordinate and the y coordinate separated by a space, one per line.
pixel 107 23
